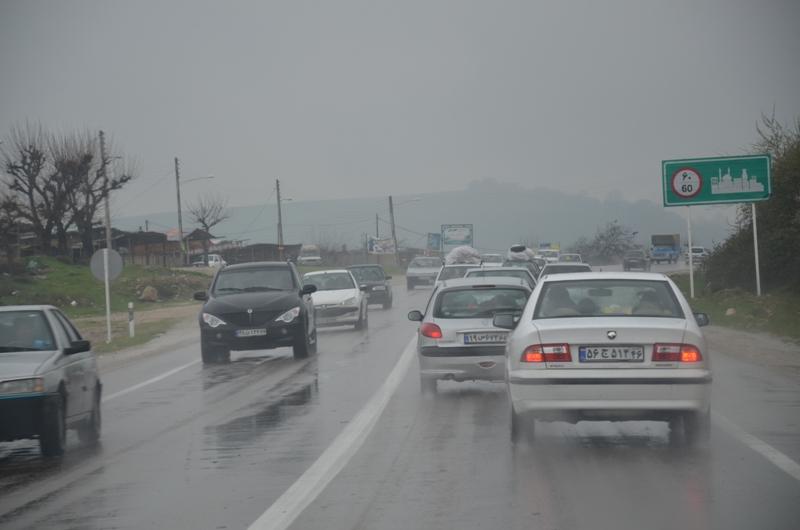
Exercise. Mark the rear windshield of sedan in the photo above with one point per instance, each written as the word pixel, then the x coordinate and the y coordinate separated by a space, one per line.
pixel 519 273
pixel 333 281
pixel 448 273
pixel 368 274
pixel 426 263
pixel 25 331
pixel 561 269
pixel 603 298
pixel 231 281
pixel 479 302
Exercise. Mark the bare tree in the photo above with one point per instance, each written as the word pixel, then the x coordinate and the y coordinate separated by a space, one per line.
pixel 9 225
pixel 28 178
pixel 209 211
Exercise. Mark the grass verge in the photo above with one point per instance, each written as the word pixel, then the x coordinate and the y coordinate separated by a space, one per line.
pixel 145 332
pixel 776 312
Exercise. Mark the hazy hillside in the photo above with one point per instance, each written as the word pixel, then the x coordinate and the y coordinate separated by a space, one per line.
pixel 502 214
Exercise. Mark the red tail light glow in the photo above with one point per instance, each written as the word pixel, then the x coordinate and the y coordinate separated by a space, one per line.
pixel 673 353
pixel 547 353
pixel 432 331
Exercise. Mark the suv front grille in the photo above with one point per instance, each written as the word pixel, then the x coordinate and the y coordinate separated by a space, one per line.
pixel 257 318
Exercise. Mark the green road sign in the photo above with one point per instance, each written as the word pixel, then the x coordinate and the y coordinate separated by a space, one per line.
pixel 716 180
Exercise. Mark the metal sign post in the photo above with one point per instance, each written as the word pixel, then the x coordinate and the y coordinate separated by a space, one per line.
pixel 108 295
pixel 106 265
pixel 755 249
pixel 691 261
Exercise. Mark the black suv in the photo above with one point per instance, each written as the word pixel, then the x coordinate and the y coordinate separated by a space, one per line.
pixel 255 306
pixel 379 288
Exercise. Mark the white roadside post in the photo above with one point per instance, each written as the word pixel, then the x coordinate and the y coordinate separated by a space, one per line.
pixel 691 261
pixel 755 249
pixel 131 322
pixel 107 282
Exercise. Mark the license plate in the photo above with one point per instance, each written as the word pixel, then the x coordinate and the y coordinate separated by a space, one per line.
pixel 251 332
pixel 485 338
pixel 379 288
pixel 611 354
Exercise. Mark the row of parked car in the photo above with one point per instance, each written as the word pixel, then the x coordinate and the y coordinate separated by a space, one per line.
pixel 570 346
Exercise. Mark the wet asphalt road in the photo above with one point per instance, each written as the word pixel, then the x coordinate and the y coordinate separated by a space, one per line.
pixel 214 447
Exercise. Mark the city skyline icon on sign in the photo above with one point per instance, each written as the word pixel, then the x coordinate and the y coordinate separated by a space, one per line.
pixel 727 183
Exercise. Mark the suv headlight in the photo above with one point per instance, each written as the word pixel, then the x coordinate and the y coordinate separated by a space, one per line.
pixel 22 386
pixel 213 321
pixel 289 316
pixel 350 301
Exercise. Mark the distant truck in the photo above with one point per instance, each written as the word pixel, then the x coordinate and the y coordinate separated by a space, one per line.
pixel 665 247
pixel 309 255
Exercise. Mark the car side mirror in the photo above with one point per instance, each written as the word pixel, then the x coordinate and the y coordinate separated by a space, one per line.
pixel 363 287
pixel 308 289
pixel 505 321
pixel 202 296
pixel 415 316
pixel 78 346
pixel 702 319
pixel 388 277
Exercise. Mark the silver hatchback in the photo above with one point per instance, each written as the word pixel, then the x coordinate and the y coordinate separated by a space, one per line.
pixel 457 340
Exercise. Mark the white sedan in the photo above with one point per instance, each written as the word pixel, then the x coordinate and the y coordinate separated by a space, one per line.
pixel 339 300
pixel 608 346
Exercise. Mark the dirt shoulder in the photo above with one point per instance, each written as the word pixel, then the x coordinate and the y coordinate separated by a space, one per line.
pixel 757 348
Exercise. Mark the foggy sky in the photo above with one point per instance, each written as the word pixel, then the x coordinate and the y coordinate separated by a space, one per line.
pixel 367 98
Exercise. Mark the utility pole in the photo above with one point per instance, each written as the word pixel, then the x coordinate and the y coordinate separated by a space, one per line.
pixel 280 219
pixel 146 225
pixel 394 232
pixel 180 217
pixel 104 169
pixel 377 234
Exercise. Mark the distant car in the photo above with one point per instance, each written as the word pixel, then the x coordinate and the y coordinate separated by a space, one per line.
pixel 309 255
pixel 570 258
pixel 451 272
pixel 456 339
pixel 522 273
pixel 214 260
pixel 608 346
pixel 491 260
pixel 636 259
pixel 379 286
pixel 550 256
pixel 422 271
pixel 339 300
pixel 564 268
pixel 699 255
pixel 256 306
pixel 48 379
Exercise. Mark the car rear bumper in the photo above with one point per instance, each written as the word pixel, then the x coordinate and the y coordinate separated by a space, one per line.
pixel 548 394
pixel 421 278
pixel 463 363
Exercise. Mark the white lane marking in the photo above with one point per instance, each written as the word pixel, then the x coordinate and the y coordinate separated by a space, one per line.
pixel 294 500
pixel 780 460
pixel 150 381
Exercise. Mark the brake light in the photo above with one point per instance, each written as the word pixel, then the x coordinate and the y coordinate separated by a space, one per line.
pixel 685 353
pixel 432 331
pixel 546 353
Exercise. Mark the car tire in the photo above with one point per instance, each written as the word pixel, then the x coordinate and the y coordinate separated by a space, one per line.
pixel 53 435
pixel 387 304
pixel 213 354
pixel 89 431
pixel 697 428
pixel 301 347
pixel 362 322
pixel 427 385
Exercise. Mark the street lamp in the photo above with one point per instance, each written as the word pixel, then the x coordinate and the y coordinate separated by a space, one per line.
pixel 394 231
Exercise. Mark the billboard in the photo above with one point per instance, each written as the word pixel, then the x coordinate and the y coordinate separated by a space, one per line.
pixel 456 236
pixel 434 241
pixel 380 246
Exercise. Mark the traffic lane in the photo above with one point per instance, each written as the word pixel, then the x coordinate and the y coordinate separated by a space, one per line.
pixel 211 445
pixel 447 462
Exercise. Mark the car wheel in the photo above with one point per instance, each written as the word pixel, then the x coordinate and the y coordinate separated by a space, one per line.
pixel 697 428
pixel 89 432
pixel 301 347
pixel 213 354
pixel 361 323
pixel 312 342
pixel 427 385
pixel 387 304
pixel 522 429
pixel 53 436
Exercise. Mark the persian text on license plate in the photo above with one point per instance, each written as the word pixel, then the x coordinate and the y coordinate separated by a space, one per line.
pixel 251 332
pixel 611 354
pixel 485 338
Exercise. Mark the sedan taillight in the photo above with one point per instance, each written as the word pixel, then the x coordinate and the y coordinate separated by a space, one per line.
pixel 546 353
pixel 432 331
pixel 673 353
